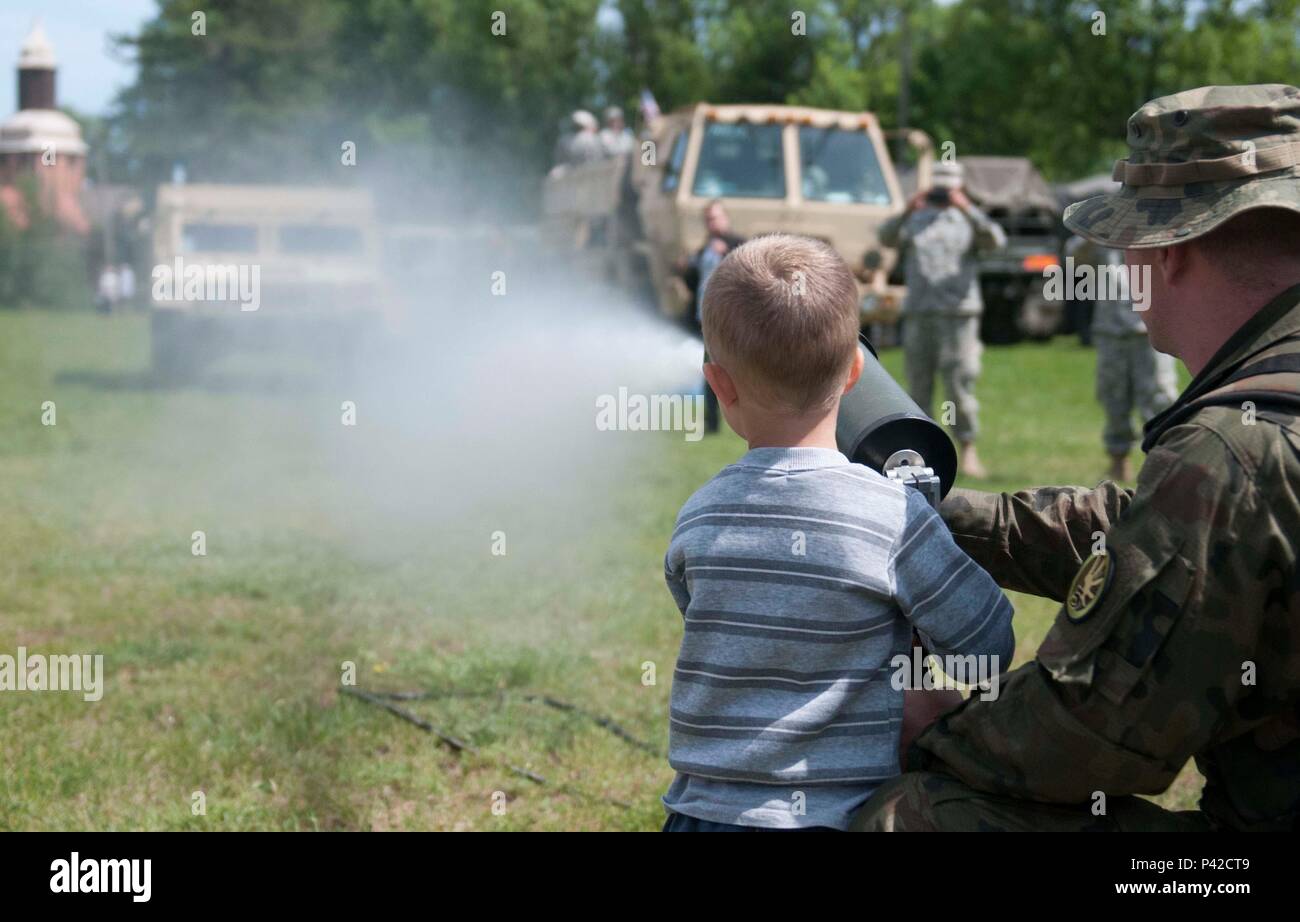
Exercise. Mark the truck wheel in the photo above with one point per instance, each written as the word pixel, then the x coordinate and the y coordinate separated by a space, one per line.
pixel 999 326
pixel 1039 318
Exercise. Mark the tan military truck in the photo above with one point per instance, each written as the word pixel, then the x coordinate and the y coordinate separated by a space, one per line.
pixel 248 267
pixel 818 172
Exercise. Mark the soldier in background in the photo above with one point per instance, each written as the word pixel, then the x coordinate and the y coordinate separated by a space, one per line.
pixel 695 270
pixel 560 152
pixel 1131 376
pixel 940 234
pixel 616 139
pixel 582 143
pixel 126 284
pixel 107 289
pixel 1179 637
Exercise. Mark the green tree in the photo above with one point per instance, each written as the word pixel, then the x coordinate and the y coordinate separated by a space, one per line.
pixel 429 89
pixel 657 47
pixel 273 88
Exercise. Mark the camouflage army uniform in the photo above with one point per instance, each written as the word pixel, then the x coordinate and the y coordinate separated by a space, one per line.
pixel 1181 640
pixel 1131 376
pixel 941 314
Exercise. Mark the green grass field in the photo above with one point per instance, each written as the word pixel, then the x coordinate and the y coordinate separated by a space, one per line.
pixel 222 672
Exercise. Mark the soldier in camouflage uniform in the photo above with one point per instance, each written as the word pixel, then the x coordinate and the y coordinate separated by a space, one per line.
pixel 940 234
pixel 1179 635
pixel 1131 376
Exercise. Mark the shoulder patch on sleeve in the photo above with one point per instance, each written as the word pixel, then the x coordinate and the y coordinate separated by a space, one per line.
pixel 1088 586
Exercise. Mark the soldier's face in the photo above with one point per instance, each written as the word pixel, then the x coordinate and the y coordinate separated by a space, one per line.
pixel 715 219
pixel 1155 295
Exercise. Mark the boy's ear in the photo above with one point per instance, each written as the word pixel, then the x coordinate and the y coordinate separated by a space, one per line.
pixel 723 387
pixel 855 371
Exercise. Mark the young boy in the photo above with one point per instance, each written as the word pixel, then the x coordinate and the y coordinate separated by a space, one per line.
pixel 800 575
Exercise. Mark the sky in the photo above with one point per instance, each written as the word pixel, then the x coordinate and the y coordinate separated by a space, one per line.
pixel 89 73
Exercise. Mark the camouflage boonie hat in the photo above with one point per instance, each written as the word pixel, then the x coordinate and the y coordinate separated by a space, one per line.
pixel 1195 160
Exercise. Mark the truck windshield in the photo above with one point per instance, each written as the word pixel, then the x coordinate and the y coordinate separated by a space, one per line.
pixel 309 238
pixel 840 166
pixel 219 238
pixel 740 161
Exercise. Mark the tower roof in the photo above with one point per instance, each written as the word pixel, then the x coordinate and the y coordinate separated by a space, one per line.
pixel 37 53
pixel 32 131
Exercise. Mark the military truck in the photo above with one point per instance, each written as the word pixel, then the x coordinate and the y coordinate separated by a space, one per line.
pixel 250 267
pixel 1011 192
pixel 823 173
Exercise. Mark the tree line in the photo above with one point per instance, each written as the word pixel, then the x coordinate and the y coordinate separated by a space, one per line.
pixel 271 89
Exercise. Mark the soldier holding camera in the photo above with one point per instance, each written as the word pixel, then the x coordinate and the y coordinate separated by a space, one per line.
pixel 940 234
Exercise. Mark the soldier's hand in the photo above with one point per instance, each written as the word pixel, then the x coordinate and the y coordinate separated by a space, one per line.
pixel 920 709
pixel 917 200
pixel 958 199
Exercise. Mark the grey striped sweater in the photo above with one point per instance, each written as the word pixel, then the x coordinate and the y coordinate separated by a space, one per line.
pixel 800 577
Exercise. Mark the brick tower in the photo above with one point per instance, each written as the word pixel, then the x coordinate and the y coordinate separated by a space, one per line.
pixel 39 140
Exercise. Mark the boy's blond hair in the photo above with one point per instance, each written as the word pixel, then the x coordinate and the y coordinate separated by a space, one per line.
pixel 781 314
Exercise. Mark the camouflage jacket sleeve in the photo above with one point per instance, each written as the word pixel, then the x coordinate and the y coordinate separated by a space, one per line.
pixel 989 235
pixel 893 232
pixel 1145 667
pixel 1033 541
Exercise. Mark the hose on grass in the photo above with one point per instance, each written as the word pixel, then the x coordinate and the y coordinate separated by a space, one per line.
pixel 385 700
pixel 605 723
